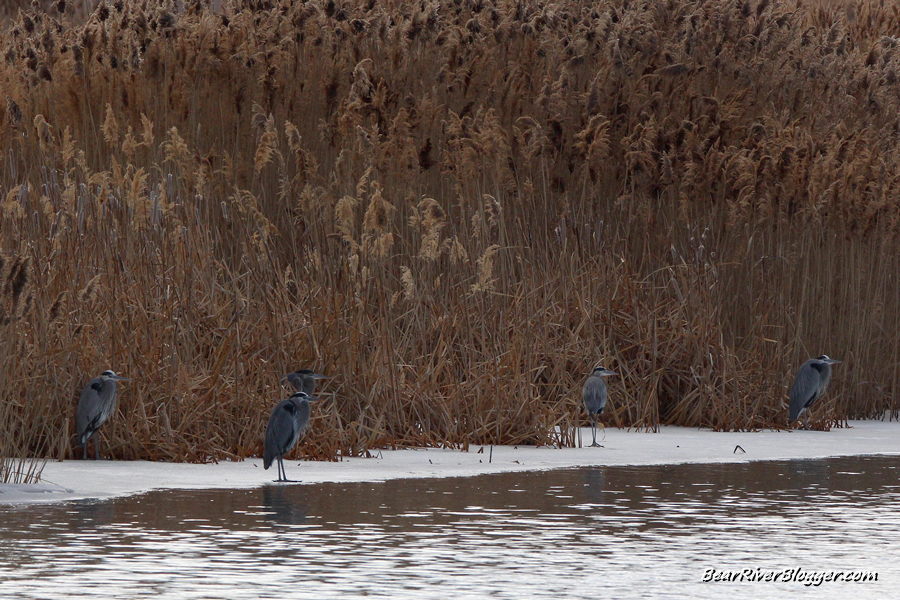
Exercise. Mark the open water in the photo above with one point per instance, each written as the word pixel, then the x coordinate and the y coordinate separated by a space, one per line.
pixel 606 532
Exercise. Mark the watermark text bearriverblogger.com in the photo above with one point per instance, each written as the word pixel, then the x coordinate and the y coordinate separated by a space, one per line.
pixel 793 575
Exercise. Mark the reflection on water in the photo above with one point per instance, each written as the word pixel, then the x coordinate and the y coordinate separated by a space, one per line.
pixel 611 532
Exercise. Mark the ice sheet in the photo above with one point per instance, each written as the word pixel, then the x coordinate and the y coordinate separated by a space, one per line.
pixel 77 479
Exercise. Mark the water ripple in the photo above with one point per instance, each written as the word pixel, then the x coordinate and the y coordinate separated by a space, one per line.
pixel 641 532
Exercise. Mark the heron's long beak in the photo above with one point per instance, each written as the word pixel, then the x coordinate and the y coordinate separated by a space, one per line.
pixel 317 376
pixel 831 361
pixel 312 398
pixel 117 378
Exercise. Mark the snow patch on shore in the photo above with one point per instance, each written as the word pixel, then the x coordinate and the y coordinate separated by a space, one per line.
pixel 78 479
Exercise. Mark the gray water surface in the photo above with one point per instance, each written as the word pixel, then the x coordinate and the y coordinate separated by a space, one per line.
pixel 606 532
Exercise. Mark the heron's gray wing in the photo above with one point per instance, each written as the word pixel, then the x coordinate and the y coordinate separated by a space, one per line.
pixel 280 432
pixel 594 395
pixel 805 389
pixel 107 399
pixel 89 413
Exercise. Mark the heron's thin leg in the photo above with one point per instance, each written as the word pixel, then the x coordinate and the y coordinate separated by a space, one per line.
pixel 594 430
pixel 281 477
pixel 96 446
pixel 806 419
pixel 84 456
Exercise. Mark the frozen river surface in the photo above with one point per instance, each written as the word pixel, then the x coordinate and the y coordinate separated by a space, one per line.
pixel 604 532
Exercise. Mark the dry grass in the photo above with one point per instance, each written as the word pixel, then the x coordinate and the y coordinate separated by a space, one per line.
pixel 455 209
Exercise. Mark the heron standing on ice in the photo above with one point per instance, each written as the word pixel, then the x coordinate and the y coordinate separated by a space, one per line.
pixel 96 404
pixel 810 384
pixel 287 421
pixel 594 396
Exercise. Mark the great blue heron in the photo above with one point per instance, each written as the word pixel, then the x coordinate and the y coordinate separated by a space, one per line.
pixel 809 385
pixel 287 421
pixel 594 396
pixel 96 404
pixel 303 380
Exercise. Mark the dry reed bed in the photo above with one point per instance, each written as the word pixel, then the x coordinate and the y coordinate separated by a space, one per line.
pixel 455 209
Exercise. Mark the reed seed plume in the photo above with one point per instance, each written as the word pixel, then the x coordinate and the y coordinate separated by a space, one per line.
pixel 409 283
pixel 485 278
pixel 88 293
pixel 110 127
pixel 378 213
pixel 57 308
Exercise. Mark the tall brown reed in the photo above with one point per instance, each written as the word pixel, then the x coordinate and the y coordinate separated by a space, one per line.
pixel 454 209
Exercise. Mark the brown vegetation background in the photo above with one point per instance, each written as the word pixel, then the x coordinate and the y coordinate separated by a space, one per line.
pixel 456 209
